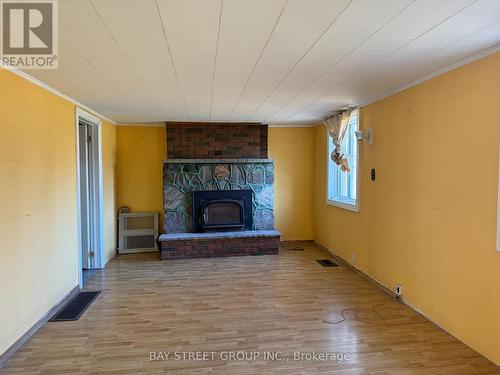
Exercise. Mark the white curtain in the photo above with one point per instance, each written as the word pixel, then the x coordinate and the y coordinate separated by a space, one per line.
pixel 337 129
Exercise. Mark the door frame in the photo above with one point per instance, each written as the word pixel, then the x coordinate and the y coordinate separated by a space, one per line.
pixel 99 253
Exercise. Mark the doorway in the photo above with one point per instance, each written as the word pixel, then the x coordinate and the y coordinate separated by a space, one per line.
pixel 89 195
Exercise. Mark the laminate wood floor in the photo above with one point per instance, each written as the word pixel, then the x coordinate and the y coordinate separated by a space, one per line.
pixel 236 306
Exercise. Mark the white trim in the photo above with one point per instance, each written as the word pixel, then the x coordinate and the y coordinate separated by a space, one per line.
pixel 446 69
pixel 292 125
pixel 82 113
pixel 55 91
pixel 78 203
pixel 498 205
pixel 158 124
pixel 346 206
pixel 102 258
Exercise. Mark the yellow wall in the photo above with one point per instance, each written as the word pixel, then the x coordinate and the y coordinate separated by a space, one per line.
pixel 38 256
pixel 292 152
pixel 429 220
pixel 142 149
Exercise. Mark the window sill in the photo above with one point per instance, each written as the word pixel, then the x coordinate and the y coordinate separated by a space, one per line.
pixel 345 206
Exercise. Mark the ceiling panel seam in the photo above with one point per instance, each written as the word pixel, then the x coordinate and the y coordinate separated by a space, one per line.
pixel 373 64
pixel 342 59
pixel 301 58
pixel 215 60
pixel 179 85
pixel 258 59
pixel 146 86
pixel 108 81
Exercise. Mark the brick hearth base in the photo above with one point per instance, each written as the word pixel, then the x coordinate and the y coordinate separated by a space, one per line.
pixel 225 244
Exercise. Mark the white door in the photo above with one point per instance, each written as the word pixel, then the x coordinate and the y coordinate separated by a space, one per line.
pixel 89 193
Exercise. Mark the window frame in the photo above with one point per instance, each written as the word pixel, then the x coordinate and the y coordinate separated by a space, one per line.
pixel 335 203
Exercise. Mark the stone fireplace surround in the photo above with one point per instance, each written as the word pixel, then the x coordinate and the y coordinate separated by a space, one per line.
pixel 183 176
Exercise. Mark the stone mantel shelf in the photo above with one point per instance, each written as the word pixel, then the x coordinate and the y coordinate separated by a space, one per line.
pixel 216 161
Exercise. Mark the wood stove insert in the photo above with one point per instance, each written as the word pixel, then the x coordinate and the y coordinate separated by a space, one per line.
pixel 222 210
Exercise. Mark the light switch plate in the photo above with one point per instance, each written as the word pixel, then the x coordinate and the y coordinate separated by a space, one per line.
pixel 369 136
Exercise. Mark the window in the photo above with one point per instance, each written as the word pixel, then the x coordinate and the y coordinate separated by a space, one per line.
pixel 342 187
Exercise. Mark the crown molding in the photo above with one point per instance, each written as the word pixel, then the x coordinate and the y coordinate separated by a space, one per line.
pixel 54 91
pixel 293 125
pixel 437 73
pixel 158 124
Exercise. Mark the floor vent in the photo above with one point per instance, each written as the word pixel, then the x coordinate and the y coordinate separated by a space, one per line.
pixel 327 263
pixel 76 307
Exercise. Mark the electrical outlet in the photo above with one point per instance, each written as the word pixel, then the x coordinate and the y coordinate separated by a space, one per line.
pixel 353 257
pixel 399 290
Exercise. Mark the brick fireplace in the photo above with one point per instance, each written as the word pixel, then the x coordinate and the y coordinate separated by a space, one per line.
pixel 213 160
pixel 200 140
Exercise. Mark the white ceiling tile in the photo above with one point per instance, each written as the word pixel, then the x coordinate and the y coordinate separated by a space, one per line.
pixel 360 20
pixel 271 60
pixel 157 73
pixel 239 49
pixel 82 28
pixel 300 26
pixel 352 28
pixel 488 33
pixel 420 17
pixel 382 46
pixel 93 91
pixel 192 28
pixel 471 19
